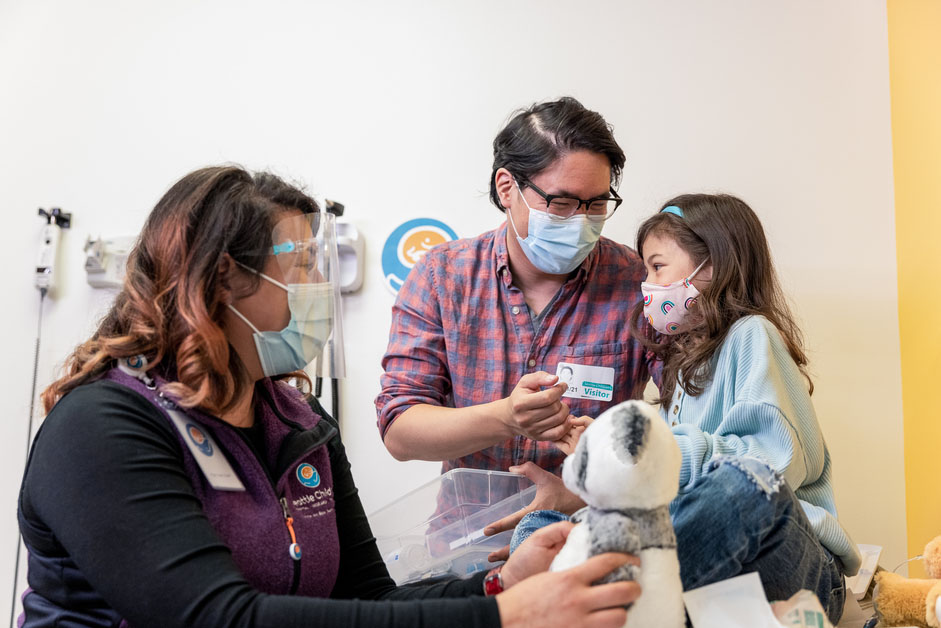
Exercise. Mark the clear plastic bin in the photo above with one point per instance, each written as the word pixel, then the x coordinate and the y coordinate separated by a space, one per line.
pixel 438 528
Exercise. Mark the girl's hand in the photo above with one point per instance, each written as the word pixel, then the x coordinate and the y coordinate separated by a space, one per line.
pixel 570 439
pixel 566 598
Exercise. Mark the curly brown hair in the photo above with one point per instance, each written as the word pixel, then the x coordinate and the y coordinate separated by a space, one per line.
pixel 170 309
pixel 724 229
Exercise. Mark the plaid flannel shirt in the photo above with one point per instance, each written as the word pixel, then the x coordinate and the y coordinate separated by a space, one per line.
pixel 462 335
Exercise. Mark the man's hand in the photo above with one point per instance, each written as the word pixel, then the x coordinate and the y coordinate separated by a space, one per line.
pixel 536 413
pixel 551 494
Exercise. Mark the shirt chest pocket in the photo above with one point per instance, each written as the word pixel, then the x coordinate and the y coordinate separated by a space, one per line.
pixel 606 356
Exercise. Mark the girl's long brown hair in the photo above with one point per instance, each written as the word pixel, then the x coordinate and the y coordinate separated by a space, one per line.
pixel 744 282
pixel 170 308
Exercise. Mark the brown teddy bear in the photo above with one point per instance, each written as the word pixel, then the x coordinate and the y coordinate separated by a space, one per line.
pixel 901 601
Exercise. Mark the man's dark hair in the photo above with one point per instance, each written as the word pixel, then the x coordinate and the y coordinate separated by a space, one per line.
pixel 536 137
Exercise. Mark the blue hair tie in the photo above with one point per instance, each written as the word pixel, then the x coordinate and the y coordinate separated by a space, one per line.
pixel 673 209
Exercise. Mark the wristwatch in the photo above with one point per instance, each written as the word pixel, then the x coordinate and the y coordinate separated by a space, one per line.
pixel 493 583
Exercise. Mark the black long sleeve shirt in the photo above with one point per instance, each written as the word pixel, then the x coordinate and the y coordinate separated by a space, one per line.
pixel 105 494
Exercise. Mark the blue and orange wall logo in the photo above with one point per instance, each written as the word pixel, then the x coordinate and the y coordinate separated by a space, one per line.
pixel 408 244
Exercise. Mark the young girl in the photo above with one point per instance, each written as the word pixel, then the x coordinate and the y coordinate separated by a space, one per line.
pixel 755 491
pixel 735 390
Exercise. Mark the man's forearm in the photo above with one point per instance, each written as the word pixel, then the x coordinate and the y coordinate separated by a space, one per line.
pixel 427 432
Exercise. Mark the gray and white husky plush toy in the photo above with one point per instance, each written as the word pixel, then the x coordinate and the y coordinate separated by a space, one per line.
pixel 626 467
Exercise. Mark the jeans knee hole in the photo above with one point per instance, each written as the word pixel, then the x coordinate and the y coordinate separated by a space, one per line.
pixel 755 470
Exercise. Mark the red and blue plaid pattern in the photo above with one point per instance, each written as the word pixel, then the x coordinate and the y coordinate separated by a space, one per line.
pixel 462 335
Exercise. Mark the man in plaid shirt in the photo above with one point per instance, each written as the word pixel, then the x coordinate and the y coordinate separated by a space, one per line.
pixel 480 324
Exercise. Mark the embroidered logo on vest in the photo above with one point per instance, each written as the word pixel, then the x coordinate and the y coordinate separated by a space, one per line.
pixel 307 475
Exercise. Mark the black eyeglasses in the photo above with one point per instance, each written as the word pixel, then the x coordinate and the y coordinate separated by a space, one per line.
pixel 566 206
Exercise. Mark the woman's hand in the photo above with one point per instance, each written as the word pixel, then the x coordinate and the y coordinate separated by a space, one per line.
pixel 566 598
pixel 535 554
pixel 551 494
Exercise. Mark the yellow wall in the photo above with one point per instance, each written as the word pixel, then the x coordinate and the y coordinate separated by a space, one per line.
pixel 915 78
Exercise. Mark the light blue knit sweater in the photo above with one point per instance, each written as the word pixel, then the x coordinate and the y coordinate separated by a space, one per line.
pixel 758 404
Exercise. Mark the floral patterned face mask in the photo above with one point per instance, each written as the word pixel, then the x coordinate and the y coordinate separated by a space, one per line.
pixel 667 307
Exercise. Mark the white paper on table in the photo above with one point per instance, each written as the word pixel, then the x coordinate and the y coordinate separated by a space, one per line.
pixel 859 584
pixel 738 602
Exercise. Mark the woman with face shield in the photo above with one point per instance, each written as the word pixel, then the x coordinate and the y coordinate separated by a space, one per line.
pixel 182 477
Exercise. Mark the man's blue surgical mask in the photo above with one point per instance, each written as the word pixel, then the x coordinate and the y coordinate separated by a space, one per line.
pixel 311 324
pixel 558 245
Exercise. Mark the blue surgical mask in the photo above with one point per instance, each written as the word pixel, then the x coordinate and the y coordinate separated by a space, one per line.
pixel 295 346
pixel 558 245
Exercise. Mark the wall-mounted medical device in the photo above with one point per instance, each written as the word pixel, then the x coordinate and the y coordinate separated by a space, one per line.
pixel 106 260
pixel 350 248
pixel 56 221
pixel 45 278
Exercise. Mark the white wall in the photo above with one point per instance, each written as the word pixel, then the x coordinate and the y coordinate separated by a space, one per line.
pixel 390 107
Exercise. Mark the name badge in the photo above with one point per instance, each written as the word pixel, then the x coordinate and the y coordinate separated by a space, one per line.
pixel 586 382
pixel 209 457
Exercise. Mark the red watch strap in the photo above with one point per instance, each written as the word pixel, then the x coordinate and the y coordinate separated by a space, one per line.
pixel 493 583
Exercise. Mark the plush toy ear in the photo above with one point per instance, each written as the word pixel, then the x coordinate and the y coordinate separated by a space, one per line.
pixel 631 429
pixel 932 556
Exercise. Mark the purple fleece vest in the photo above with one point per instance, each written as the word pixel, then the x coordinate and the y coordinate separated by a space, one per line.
pixel 252 523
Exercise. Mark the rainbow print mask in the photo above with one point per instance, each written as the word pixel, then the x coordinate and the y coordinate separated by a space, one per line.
pixel 667 307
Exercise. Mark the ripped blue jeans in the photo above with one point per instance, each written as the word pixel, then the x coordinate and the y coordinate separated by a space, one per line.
pixel 738 518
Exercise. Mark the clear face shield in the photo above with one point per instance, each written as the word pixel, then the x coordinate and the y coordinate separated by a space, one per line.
pixel 305 247
pixel 297 250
